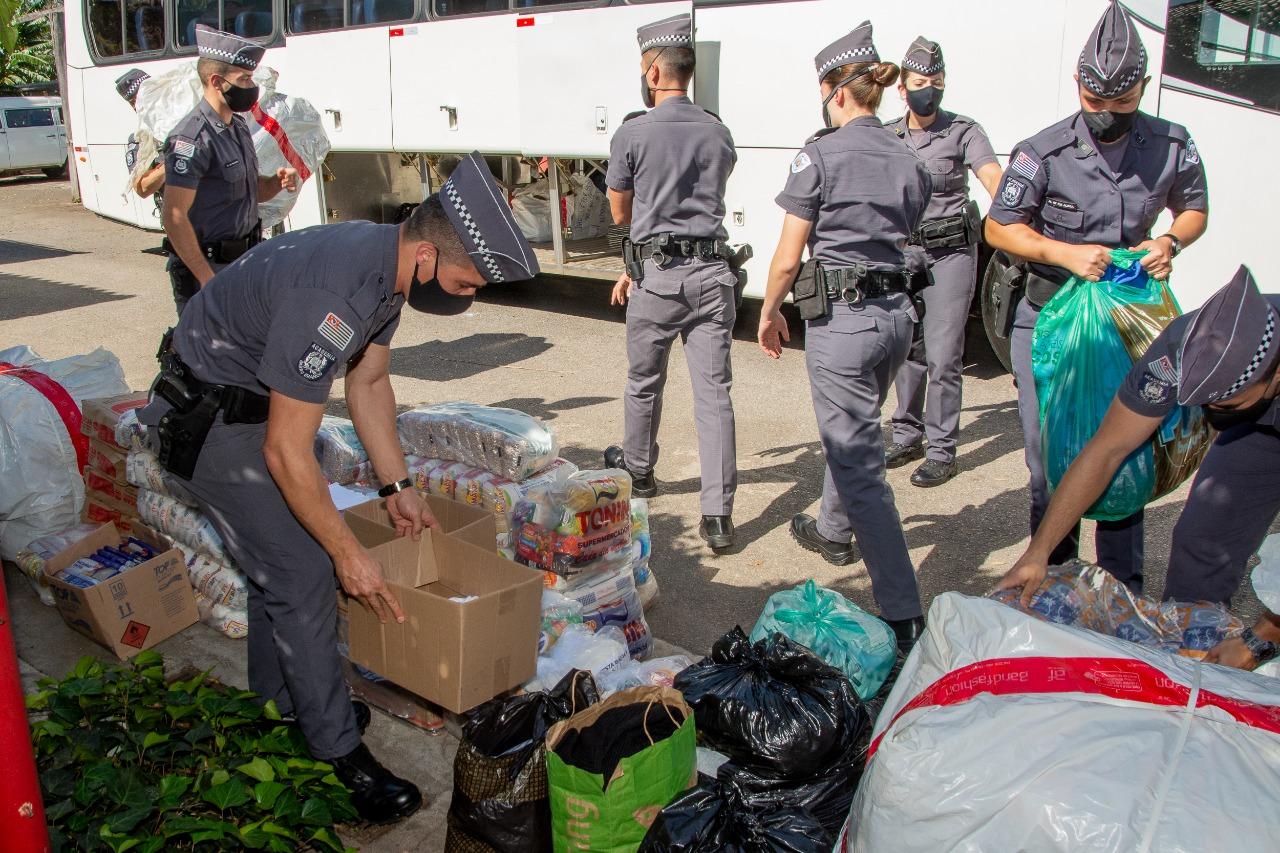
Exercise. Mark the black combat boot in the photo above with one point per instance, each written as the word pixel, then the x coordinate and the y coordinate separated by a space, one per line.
pixel 804 529
pixel 717 530
pixel 642 485
pixel 378 795
pixel 896 455
pixel 907 631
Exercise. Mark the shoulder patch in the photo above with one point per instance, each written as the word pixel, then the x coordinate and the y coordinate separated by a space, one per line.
pixel 1193 154
pixel 315 362
pixel 336 331
pixel 183 148
pixel 181 165
pixel 1025 165
pixel 1012 192
pixel 1163 369
pixel 802 162
pixel 1154 390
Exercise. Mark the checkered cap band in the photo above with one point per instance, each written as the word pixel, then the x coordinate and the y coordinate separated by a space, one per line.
pixel 1259 358
pixel 680 40
pixel 921 68
pixel 1094 82
pixel 132 88
pixel 473 232
pixel 224 47
pixel 859 54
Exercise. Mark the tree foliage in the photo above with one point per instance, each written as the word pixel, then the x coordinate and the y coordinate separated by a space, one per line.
pixel 26 46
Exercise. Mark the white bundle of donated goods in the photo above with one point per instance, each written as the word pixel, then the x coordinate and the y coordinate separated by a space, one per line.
pixel 1008 733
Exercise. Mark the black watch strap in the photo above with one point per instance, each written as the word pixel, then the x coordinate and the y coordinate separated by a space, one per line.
pixel 1177 244
pixel 391 488
pixel 1262 650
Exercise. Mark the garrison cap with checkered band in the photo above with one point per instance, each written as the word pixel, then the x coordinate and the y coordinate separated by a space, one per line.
pixel 224 47
pixel 1113 60
pixel 1229 345
pixel 127 83
pixel 676 31
pixel 924 57
pixel 855 47
pixel 477 207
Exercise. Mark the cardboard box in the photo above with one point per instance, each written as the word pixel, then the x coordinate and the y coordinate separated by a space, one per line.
pixel 456 654
pixel 101 511
pixel 134 610
pixel 108 460
pixel 462 521
pixel 109 492
pixel 100 415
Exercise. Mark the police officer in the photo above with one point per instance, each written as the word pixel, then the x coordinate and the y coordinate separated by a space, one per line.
pixel 951 145
pixel 1224 358
pixel 854 196
pixel 150 183
pixel 1094 181
pixel 211 168
pixel 667 174
pixel 241 393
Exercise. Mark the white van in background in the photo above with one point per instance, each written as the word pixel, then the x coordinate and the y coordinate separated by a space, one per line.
pixel 32 136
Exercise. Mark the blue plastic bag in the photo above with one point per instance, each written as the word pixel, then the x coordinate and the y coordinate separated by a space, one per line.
pixel 1085 341
pixel 836 630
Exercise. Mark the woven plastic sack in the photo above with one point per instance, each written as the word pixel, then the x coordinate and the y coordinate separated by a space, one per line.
pixel 504 441
pixel 1085 341
pixel 835 629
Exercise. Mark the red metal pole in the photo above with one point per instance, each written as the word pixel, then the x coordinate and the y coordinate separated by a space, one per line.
pixel 22 826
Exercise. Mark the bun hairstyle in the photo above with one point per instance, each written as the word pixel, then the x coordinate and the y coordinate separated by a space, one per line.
pixel 867 89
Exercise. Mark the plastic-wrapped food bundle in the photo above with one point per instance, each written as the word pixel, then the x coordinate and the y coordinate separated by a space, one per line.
pixel 627 614
pixel 579 647
pixel 558 613
pixel 1088 596
pixel 226 620
pixel 144 471
pixel 221 583
pixel 656 672
pixel 130 433
pixel 507 442
pixel 32 559
pixel 1086 339
pixel 42 449
pixel 583 526
pixel 1005 732
pixel 641 547
pixel 341 455
pixel 183 524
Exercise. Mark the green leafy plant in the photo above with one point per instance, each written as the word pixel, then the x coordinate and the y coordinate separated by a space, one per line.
pixel 131 762
pixel 26 49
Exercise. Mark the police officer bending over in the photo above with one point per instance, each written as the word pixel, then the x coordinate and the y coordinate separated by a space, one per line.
pixel 855 194
pixel 951 145
pixel 236 407
pixel 667 174
pixel 211 168
pixel 1094 181
pixel 1224 358
pixel 150 183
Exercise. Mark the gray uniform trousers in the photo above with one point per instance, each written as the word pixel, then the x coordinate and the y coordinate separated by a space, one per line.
pixel 293 629
pixel 185 284
pixel 852 356
pixel 1234 499
pixel 1119 543
pixel 937 353
pixel 693 300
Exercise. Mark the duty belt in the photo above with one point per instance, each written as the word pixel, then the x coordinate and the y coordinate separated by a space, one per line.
pixel 223 251
pixel 664 247
pixel 180 387
pixel 854 284
pixel 950 232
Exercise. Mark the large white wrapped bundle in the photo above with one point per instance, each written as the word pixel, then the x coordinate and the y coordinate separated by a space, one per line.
pixel 341 455
pixel 183 524
pixel 1005 732
pixel 41 487
pixel 287 131
pixel 505 441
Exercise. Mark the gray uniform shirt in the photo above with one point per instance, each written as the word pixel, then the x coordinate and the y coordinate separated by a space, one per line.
pixel 864 191
pixel 285 313
pixel 1151 387
pixel 1059 184
pixel 951 147
pixel 218 161
pixel 677 159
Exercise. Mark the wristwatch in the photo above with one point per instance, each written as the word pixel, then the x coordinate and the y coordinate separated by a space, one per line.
pixel 1177 244
pixel 391 488
pixel 1262 650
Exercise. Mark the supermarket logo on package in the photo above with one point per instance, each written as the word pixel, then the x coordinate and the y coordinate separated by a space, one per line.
pixel 606 517
pixel 1122 682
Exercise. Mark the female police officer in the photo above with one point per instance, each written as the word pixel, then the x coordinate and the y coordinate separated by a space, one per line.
pixel 950 145
pixel 855 194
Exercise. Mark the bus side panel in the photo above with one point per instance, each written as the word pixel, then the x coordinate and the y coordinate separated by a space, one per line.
pixel 345 76
pixel 597 49
pixel 73 113
pixel 757 178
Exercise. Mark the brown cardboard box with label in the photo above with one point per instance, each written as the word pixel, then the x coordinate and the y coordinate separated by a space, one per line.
pixel 108 460
pixel 133 610
pixel 471 617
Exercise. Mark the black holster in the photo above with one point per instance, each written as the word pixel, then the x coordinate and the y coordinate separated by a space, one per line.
pixel 1006 293
pixel 809 293
pixel 737 260
pixel 631 258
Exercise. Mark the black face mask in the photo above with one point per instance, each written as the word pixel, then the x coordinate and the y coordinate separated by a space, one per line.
pixel 1222 419
pixel 430 298
pixel 1107 126
pixel 924 102
pixel 240 99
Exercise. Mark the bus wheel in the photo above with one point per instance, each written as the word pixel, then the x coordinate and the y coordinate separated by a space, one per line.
pixel 999 346
pixel 55 171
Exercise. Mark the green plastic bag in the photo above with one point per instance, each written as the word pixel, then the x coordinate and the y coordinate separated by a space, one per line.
pixel 592 813
pixel 1086 339
pixel 836 630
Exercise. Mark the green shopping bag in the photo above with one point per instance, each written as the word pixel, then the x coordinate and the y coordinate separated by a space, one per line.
pixel 614 766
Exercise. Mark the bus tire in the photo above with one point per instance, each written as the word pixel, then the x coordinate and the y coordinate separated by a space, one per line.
pixel 55 171
pixel 999 346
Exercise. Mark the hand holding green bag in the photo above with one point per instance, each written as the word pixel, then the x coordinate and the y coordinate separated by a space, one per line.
pixel 612 768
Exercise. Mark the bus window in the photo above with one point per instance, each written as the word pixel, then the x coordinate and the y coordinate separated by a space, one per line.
pixel 381 11
pixel 250 19
pixel 105 25
pixel 42 117
pixel 309 16
pixel 143 26
pixel 449 8
pixel 1228 47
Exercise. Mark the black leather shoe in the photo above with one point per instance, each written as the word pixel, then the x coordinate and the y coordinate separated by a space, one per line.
pixel 642 485
pixel 934 472
pixel 804 529
pixel 907 631
pixel 896 455
pixel 717 530
pixel 378 795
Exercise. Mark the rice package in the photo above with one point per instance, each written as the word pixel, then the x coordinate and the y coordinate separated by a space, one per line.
pixel 129 432
pixel 183 524
pixel 225 620
pixel 144 471
pixel 342 457
pixel 221 583
pixel 584 524
pixel 504 441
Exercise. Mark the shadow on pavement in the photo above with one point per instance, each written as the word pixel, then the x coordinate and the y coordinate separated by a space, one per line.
pixel 25 296
pixel 540 408
pixel 444 361
pixel 16 252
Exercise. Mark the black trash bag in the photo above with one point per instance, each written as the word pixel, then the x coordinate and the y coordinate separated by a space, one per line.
pixel 775 708
pixel 500 800
pixel 716 816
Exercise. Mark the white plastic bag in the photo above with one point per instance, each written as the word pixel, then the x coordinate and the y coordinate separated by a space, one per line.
pixel 587 209
pixel 581 648
pixel 41 487
pixel 1005 732
pixel 531 208
pixel 658 672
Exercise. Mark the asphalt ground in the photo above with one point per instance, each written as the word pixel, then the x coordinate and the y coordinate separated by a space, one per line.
pixel 555 348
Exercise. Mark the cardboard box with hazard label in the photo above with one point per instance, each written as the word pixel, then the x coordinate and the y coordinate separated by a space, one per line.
pixel 471 617
pixel 133 610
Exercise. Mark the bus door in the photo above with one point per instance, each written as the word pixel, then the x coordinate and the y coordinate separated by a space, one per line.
pixel 579 73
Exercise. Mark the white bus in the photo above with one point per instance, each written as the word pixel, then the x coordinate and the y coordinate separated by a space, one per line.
pixel 402 83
